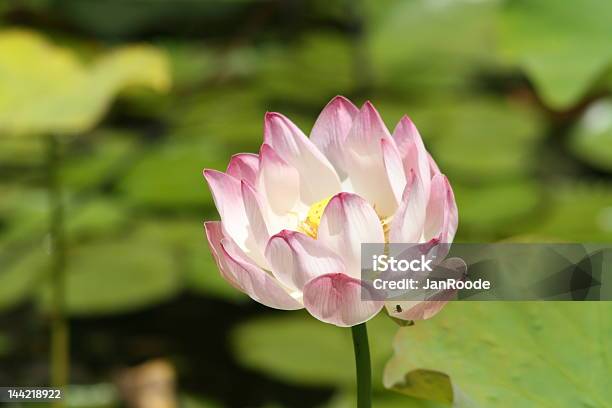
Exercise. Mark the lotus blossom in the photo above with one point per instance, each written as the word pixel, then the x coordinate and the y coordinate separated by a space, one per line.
pixel 293 217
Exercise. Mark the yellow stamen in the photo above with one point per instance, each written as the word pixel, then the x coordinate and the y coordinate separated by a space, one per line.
pixel 310 225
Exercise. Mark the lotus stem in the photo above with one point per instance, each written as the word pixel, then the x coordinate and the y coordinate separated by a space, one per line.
pixel 362 366
pixel 60 356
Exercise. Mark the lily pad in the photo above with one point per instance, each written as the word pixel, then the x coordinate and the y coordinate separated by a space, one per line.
pixel 106 154
pixel 298 348
pixel 20 279
pixel 496 210
pixel 116 276
pixel 45 88
pixel 186 239
pixel 577 213
pixel 563 49
pixel 410 55
pixel 500 354
pixel 170 175
pixel 348 399
pixel 317 82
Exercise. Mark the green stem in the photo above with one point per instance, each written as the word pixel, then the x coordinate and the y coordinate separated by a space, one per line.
pixel 362 366
pixel 60 356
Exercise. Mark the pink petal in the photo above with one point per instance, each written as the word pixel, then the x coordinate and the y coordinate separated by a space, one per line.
pixel 394 167
pixel 331 129
pixel 336 298
pixel 422 310
pixel 413 152
pixel 244 166
pixel 368 128
pixel 227 195
pixel 433 166
pixel 278 181
pixel 318 179
pixel 409 219
pixel 254 281
pixel 255 215
pixel 347 222
pixel 364 160
pixel 442 217
pixel 214 235
pixel 297 258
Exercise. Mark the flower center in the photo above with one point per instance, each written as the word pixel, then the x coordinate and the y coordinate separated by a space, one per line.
pixel 310 225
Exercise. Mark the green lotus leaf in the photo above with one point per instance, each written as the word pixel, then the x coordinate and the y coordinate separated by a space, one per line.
pixel 577 213
pixel 419 48
pixel 45 88
pixel 296 347
pixel 564 49
pixel 116 276
pixel 500 354
pixel 169 176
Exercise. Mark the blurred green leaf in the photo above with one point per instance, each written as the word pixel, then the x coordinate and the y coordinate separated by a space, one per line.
pixel 317 68
pixel 227 116
pixel 170 175
pixel 44 88
pixel 496 210
pixel 116 276
pixel 107 152
pixel 563 47
pixel 20 279
pixel 481 139
pixel 26 212
pixel 591 140
pixel 421 47
pixel 186 238
pixel 578 213
pixel 298 348
pixel 22 151
pixel 501 353
pixel 96 218
pixel 381 400
pixel 487 140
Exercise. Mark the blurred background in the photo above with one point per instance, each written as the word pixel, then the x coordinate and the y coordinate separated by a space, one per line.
pixel 109 111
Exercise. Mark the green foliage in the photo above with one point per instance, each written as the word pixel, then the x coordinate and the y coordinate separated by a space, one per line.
pixel 116 276
pixel 298 348
pixel 530 354
pixel 564 48
pixel 170 176
pixel 578 213
pixel 325 65
pixel 406 53
pixel 66 97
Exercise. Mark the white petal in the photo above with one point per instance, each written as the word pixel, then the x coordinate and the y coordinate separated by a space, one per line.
pixel 442 216
pixel 394 167
pixel 347 222
pixel 337 299
pixel 296 258
pixel 331 129
pixel 364 161
pixel 244 166
pixel 318 179
pixel 254 281
pixel 256 217
pixel 413 152
pixel 409 219
pixel 277 181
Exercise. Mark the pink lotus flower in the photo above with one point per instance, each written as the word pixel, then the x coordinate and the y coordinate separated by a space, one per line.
pixel 293 217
